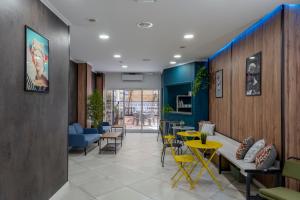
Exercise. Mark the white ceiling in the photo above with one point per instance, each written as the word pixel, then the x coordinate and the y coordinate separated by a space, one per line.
pixel 213 22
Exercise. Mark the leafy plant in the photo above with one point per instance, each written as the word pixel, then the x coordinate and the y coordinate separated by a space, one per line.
pixel 167 108
pixel 95 108
pixel 203 137
pixel 201 80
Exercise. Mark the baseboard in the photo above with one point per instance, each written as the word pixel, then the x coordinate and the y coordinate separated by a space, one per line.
pixel 60 191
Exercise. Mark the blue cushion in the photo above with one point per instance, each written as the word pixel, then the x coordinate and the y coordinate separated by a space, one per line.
pixel 90 138
pixel 78 128
pixel 72 130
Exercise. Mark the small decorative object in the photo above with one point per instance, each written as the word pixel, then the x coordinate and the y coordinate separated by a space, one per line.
pixel 219 83
pixel 95 108
pixel 253 75
pixel 37 65
pixel 203 137
pixel 181 123
pixel 201 80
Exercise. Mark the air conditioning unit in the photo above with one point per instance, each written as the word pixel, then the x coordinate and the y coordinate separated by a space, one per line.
pixel 132 77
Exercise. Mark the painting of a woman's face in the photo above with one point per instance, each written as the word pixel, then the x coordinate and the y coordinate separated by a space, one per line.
pixel 37 62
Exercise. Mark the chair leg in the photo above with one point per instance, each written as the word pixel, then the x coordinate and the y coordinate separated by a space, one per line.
pixel 163 153
pixel 85 151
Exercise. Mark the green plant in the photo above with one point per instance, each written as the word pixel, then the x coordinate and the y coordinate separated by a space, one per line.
pixel 95 108
pixel 201 80
pixel 203 137
pixel 167 108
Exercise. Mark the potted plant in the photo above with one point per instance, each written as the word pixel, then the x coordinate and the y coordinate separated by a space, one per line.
pixel 167 108
pixel 181 123
pixel 201 80
pixel 203 137
pixel 95 108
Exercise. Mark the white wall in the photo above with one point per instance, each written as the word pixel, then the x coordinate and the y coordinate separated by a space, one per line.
pixel 114 81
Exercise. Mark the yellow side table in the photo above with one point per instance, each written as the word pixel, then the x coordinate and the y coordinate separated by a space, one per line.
pixel 213 146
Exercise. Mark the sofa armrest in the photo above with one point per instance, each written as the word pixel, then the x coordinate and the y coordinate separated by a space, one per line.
pixel 76 140
pixel 90 131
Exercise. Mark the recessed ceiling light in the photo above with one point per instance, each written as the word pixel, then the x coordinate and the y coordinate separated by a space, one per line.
pixel 172 62
pixel 92 20
pixel 124 66
pixel 252 58
pixel 117 56
pixel 104 36
pixel 145 25
pixel 188 36
pixel 177 56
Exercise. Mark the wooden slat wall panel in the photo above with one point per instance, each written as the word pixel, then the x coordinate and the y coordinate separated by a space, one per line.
pixel 237 115
pixel 292 86
pixel 220 107
pixel 82 80
pixel 258 116
pixel 100 82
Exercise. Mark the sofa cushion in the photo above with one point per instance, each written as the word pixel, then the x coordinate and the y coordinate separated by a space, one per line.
pixel 78 128
pixel 90 138
pixel 72 130
pixel 244 147
pixel 266 157
pixel 208 128
pixel 279 193
pixel 251 154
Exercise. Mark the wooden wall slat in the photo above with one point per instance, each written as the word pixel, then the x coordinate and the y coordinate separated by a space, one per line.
pixel 292 86
pixel 82 80
pixel 220 107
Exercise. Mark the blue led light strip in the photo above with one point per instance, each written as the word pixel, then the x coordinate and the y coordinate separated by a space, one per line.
pixel 254 27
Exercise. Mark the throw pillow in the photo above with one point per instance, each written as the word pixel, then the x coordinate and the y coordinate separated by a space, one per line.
pixel 251 154
pixel 266 157
pixel 208 128
pixel 244 147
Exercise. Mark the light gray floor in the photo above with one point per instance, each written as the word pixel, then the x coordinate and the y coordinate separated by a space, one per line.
pixel 135 173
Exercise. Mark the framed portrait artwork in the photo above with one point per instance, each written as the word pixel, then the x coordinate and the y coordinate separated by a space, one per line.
pixel 219 83
pixel 253 75
pixel 36 62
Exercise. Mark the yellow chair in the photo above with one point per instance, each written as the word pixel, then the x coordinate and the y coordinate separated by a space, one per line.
pixel 186 165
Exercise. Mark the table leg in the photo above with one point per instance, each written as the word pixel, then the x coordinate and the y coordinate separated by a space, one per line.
pixel 115 145
pixel 100 146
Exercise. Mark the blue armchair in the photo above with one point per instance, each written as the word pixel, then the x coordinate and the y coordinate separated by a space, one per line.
pixel 104 127
pixel 82 137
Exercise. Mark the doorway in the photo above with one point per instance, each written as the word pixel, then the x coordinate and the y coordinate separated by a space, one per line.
pixel 138 110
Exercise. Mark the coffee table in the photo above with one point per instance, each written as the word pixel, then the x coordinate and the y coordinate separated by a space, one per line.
pixel 123 127
pixel 110 146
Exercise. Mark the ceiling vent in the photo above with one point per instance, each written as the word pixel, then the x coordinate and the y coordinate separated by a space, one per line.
pixel 132 77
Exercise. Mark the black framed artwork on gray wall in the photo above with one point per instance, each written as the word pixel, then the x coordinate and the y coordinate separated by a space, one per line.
pixel 253 75
pixel 219 83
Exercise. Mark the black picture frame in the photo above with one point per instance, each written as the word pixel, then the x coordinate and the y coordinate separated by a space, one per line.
pixel 41 50
pixel 219 83
pixel 253 75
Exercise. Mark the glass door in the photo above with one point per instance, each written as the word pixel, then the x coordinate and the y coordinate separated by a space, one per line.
pixel 150 110
pixel 137 109
pixel 133 109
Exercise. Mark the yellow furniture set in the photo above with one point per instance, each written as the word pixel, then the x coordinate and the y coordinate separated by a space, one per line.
pixel 187 162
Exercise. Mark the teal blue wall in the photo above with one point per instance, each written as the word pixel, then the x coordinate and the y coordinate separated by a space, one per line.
pixel 179 80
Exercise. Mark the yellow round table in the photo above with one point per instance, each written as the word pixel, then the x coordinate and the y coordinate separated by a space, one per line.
pixel 213 146
pixel 189 134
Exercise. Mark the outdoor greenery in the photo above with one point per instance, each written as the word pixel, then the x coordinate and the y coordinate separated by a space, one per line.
pixel 201 80
pixel 95 108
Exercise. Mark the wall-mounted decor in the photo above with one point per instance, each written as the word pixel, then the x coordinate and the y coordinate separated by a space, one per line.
pixel 36 66
pixel 253 75
pixel 219 83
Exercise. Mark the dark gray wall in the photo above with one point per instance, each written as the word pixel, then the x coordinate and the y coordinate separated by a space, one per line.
pixel 33 127
pixel 73 92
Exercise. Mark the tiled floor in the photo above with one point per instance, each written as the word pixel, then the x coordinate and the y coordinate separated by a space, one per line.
pixel 135 173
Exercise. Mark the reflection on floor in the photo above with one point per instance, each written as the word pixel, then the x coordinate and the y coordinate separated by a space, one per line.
pixel 135 173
